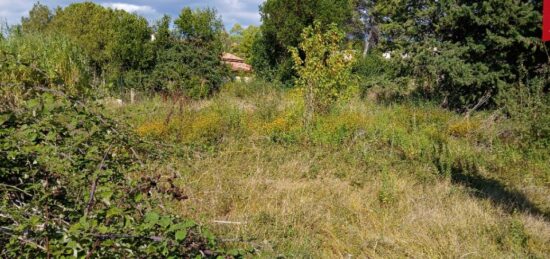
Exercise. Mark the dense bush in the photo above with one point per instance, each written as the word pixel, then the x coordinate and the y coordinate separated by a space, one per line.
pixel 29 62
pixel 463 53
pixel 66 188
pixel 529 110
pixel 188 59
pixel 373 71
pixel 187 70
pixel 325 70
pixel 71 180
pixel 115 40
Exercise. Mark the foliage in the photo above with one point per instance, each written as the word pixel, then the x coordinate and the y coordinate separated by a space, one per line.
pixel 282 24
pixel 373 70
pixel 163 35
pixel 529 110
pixel 185 69
pixel 122 53
pixel 241 40
pixel 462 52
pixel 261 58
pixel 31 61
pixel 39 18
pixel 199 25
pixel 66 190
pixel 116 41
pixel 325 72
pixel 188 61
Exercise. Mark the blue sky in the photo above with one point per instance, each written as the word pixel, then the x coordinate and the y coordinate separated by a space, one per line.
pixel 244 12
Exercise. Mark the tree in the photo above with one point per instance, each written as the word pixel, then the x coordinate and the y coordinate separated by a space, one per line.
pixel 199 26
pixel 283 23
pixel 115 40
pixel 249 35
pixel 188 61
pixel 39 18
pixel 325 72
pixel 364 26
pixel 237 30
pixel 468 53
pixel 233 39
pixel 241 40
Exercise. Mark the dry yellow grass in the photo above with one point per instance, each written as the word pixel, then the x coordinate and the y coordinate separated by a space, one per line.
pixel 379 191
pixel 284 210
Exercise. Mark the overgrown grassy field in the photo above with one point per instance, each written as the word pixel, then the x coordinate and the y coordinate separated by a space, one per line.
pixel 367 180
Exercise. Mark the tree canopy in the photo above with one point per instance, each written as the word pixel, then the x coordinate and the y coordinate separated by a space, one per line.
pixel 464 50
pixel 282 24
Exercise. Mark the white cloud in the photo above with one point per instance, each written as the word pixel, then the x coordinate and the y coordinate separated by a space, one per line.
pixel 244 12
pixel 131 8
pixel 12 11
pixel 144 10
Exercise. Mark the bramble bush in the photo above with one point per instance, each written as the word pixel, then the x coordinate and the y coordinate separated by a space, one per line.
pixel 66 191
pixel 72 180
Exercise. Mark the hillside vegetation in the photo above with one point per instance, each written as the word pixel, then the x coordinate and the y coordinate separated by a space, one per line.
pixel 369 129
pixel 376 180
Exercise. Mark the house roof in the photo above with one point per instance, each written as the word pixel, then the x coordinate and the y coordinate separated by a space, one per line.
pixel 240 66
pixel 231 58
pixel 236 63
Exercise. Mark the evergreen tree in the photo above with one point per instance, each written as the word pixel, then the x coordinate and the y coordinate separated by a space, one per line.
pixel 468 53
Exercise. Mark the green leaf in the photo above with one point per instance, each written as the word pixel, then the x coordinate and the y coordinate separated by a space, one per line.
pixel 180 235
pixel 115 211
pixel 182 226
pixel 152 217
pixel 138 197
pixel 165 221
pixel 4 118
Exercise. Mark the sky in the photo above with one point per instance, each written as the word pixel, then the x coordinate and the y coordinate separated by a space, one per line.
pixel 244 12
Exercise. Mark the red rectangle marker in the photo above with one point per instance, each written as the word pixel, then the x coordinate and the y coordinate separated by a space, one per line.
pixel 546 21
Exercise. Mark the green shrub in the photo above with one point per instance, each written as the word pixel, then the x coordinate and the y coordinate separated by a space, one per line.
pixel 29 62
pixel 188 69
pixel 529 112
pixel 324 70
pixel 374 71
pixel 66 188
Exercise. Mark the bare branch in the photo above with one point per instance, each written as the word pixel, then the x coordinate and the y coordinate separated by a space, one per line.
pixel 94 184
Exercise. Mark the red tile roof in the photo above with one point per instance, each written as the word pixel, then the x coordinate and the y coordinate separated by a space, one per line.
pixel 236 63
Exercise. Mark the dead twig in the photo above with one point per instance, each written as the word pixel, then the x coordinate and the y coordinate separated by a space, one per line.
pixel 94 184
pixel 15 188
pixel 24 240
pixel 229 222
pixel 483 100
pixel 136 156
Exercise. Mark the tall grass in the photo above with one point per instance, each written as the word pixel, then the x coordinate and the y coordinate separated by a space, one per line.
pixel 370 180
pixel 33 61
